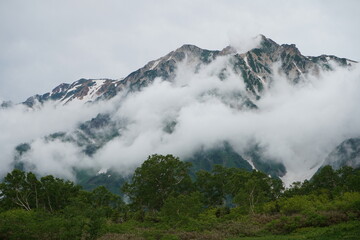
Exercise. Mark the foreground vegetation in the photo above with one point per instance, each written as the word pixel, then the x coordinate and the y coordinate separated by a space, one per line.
pixel 164 202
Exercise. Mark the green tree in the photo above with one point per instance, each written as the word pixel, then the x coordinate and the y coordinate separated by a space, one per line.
pixel 258 189
pixel 212 185
pixel 56 193
pixel 349 179
pixel 182 209
pixel 236 180
pixel 18 224
pixel 298 188
pixel 102 197
pixel 20 189
pixel 110 205
pixel 216 186
pixel 326 178
pixel 156 179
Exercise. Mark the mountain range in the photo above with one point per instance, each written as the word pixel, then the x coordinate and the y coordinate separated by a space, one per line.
pixel 235 85
pixel 253 66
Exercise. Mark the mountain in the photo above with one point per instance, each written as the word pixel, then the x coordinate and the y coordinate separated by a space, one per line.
pixel 252 73
pixel 254 66
pixel 82 90
pixel 346 154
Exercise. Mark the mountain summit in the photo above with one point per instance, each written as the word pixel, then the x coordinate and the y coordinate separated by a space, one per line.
pixel 254 66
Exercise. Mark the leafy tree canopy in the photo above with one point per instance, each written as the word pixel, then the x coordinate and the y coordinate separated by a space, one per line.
pixel 156 179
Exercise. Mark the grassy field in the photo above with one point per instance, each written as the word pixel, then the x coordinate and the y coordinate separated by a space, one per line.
pixel 343 231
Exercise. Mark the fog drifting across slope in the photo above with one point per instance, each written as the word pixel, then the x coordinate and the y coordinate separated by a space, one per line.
pixel 20 124
pixel 297 124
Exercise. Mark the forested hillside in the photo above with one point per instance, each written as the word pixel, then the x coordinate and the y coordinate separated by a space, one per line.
pixel 163 201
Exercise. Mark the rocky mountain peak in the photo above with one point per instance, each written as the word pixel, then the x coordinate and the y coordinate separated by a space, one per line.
pixel 290 49
pixel 228 51
pixel 82 90
pixel 188 48
pixel 268 45
pixel 254 67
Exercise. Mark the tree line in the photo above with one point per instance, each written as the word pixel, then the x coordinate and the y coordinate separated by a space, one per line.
pixel 163 195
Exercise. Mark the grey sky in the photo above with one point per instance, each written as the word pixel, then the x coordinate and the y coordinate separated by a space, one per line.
pixel 45 42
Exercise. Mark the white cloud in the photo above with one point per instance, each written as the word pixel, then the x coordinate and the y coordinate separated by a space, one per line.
pixel 243 42
pixel 56 158
pixel 298 125
pixel 20 124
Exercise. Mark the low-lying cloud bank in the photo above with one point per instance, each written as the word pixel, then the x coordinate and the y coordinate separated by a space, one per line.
pixel 299 125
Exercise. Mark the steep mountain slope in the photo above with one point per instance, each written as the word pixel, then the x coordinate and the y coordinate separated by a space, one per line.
pixel 234 81
pixel 346 154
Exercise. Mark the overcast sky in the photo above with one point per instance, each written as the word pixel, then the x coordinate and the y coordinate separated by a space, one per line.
pixel 46 42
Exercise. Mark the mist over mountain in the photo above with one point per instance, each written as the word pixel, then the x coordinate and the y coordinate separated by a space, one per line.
pixel 258 105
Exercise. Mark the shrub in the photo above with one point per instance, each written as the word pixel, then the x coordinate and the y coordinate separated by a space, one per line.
pixel 296 204
pixel 316 220
pixel 182 210
pixel 285 224
pixel 349 201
